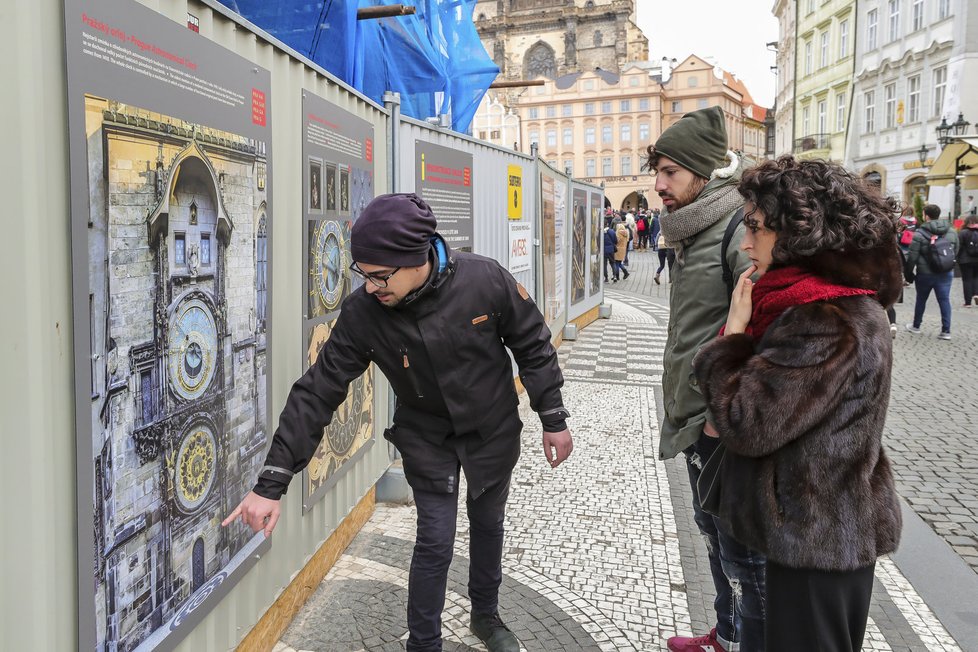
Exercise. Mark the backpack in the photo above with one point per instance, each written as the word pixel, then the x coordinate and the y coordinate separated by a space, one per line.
pixel 907 237
pixel 640 224
pixel 732 225
pixel 940 254
pixel 970 239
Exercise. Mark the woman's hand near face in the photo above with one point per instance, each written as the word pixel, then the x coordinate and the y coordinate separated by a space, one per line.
pixel 741 304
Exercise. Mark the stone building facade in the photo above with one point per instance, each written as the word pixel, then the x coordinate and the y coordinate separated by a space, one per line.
pixel 596 125
pixel 824 63
pixel 912 60
pixel 697 84
pixel 548 38
pixel 178 303
pixel 784 100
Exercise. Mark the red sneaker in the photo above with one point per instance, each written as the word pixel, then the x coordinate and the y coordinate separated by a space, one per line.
pixel 706 643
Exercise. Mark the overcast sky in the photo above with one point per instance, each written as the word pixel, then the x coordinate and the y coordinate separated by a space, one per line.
pixel 734 33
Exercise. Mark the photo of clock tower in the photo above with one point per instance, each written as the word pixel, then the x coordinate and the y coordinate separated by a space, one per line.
pixel 178 242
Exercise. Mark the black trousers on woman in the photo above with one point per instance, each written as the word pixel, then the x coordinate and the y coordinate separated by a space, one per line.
pixel 969 281
pixel 817 611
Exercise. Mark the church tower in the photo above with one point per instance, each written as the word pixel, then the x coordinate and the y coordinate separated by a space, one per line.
pixel 549 38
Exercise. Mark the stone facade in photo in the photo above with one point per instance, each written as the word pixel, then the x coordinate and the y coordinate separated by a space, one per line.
pixel 177 267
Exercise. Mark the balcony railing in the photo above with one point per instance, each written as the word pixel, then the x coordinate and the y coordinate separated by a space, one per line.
pixel 813 141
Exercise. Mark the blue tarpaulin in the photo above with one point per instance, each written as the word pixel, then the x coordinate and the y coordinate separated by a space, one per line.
pixel 433 58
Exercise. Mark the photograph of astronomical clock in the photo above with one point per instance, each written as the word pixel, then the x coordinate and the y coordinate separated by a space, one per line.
pixel 362 191
pixel 315 185
pixel 328 264
pixel 345 189
pixel 579 246
pixel 331 187
pixel 597 249
pixel 348 436
pixel 177 266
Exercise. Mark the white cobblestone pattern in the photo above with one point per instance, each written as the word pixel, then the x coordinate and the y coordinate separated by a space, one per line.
pixel 597 536
pixel 910 604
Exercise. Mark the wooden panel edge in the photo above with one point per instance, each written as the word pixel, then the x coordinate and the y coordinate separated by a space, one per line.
pixel 276 619
pixel 586 319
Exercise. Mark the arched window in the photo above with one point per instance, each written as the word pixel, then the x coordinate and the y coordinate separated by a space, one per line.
pixel 540 62
pixel 261 273
pixel 198 564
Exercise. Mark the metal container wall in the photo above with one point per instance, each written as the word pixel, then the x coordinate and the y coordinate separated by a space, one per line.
pixel 38 604
pixel 489 185
pixel 37 476
pixel 590 301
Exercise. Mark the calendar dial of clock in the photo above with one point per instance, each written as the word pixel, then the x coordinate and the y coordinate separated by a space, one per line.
pixel 191 349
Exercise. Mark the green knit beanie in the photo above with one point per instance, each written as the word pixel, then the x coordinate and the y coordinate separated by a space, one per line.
pixel 698 141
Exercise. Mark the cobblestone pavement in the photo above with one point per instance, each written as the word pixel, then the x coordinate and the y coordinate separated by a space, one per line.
pixel 602 553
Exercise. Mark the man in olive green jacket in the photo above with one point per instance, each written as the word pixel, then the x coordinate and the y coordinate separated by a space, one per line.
pixel 697 177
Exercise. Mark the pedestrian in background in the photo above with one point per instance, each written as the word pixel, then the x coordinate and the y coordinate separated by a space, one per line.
pixel 696 176
pixel 798 385
pixel 666 254
pixel 419 296
pixel 905 227
pixel 930 260
pixel 621 249
pixel 642 226
pixel 610 246
pixel 630 225
pixel 968 260
pixel 654 233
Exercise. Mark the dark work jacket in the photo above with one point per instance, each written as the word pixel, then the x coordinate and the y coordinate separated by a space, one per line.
pixel 610 242
pixel 443 349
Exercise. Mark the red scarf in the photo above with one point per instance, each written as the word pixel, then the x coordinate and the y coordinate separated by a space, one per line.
pixel 783 287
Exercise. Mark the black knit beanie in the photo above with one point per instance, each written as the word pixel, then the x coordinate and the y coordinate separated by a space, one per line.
pixel 393 230
pixel 698 141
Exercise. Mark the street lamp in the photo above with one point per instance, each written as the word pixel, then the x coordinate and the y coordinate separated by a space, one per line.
pixel 960 125
pixel 943 133
pixel 960 128
pixel 922 154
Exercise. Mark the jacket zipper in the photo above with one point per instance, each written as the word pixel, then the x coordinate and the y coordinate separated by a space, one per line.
pixel 410 372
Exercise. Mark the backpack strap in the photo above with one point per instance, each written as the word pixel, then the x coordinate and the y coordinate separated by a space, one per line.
pixel 732 225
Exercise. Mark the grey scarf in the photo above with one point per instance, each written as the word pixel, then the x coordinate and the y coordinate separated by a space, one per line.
pixel 680 227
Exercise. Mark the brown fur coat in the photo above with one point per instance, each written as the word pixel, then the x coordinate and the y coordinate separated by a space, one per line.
pixel 806 480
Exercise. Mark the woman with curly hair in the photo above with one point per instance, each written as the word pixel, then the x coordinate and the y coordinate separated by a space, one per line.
pixel 798 385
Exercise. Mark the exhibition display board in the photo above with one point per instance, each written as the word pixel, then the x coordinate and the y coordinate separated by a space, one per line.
pixel 338 183
pixel 170 143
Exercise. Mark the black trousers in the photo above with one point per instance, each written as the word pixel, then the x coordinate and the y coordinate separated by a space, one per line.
pixel 433 549
pixel 817 611
pixel 969 281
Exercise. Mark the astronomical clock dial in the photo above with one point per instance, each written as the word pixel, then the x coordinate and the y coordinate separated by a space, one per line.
pixel 345 427
pixel 351 425
pixel 192 349
pixel 195 467
pixel 331 260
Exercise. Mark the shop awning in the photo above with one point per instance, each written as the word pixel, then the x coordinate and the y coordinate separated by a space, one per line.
pixel 961 151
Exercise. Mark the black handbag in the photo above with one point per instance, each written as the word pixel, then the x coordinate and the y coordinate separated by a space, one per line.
pixel 708 484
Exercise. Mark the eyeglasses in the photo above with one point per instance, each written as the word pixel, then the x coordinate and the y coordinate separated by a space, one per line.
pixel 379 281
